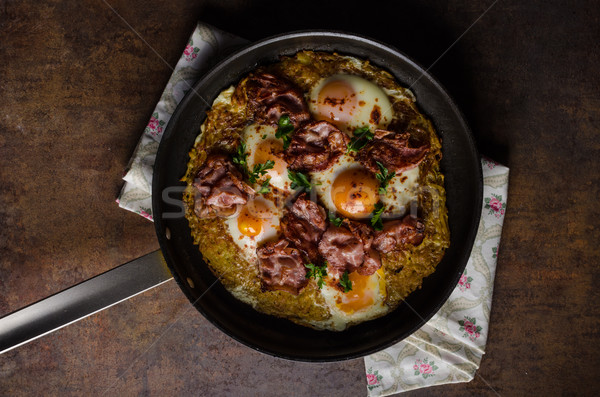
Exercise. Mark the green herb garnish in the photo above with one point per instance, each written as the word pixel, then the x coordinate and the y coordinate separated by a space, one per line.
pixel 335 220
pixel 299 180
pixel 317 272
pixel 383 177
pixel 284 130
pixel 362 136
pixel 345 282
pixel 264 188
pixel 376 221
pixel 240 157
pixel 264 136
pixel 259 170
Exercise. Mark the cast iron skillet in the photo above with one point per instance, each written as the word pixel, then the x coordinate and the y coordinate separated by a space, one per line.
pixel 279 337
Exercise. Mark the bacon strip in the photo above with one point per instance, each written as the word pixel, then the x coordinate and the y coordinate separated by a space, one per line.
pixel 219 188
pixel 281 267
pixel 270 97
pixel 304 224
pixel 393 150
pixel 396 234
pixel 349 248
pixel 372 261
pixel 315 146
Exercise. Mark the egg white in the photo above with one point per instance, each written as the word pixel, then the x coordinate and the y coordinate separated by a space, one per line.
pixel 402 190
pixel 368 96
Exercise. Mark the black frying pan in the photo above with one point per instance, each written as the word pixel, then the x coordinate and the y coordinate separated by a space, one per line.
pixel 279 337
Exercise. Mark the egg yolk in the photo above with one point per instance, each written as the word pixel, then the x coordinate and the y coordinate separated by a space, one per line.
pixel 270 149
pixel 251 218
pixel 336 102
pixel 355 192
pixel 362 294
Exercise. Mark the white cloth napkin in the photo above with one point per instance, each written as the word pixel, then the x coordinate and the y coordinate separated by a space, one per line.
pixel 448 349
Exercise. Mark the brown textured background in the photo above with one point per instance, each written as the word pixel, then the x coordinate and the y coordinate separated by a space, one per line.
pixel 77 87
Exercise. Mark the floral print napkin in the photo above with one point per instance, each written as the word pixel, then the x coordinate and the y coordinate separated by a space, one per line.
pixel 448 349
pixel 205 47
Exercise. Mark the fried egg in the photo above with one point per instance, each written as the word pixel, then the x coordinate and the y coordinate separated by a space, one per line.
pixel 262 145
pixel 349 189
pixel 254 224
pixel 350 102
pixel 365 301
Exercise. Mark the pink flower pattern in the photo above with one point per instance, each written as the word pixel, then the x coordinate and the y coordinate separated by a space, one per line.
pixel 470 328
pixel 490 163
pixel 146 213
pixel 495 205
pixel 373 379
pixel 465 282
pixel 190 51
pixel 155 126
pixel 425 368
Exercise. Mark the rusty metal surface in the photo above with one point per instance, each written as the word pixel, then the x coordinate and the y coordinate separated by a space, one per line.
pixel 78 86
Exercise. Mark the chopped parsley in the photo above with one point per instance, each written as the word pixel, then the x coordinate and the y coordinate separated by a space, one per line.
pixel 264 188
pixel 264 136
pixel 376 221
pixel 299 180
pixel 362 136
pixel 317 272
pixel 345 282
pixel 335 220
pixel 383 177
pixel 284 130
pixel 259 170
pixel 240 157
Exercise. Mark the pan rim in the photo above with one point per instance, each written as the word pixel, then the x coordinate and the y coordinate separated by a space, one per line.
pixel 447 99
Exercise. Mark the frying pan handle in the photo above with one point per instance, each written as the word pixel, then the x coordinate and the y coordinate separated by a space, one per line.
pixel 82 300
